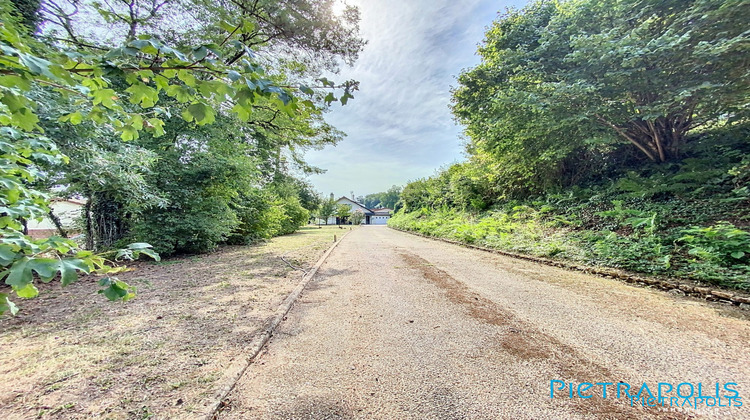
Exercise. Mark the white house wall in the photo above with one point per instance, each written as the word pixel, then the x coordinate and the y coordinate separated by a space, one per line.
pixel 67 211
pixel 352 205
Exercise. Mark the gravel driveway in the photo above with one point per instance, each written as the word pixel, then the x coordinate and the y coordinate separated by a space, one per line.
pixel 396 326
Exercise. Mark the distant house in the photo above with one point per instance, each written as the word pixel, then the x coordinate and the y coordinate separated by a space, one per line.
pixel 372 216
pixel 68 210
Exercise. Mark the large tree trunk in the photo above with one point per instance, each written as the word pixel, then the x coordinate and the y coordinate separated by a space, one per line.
pixel 660 139
pixel 109 226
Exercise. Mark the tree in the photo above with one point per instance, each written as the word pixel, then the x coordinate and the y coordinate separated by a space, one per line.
pixel 268 138
pixel 29 11
pixel 387 199
pixel 327 209
pixel 342 212
pixel 417 195
pixel 130 89
pixel 308 198
pixel 111 174
pixel 357 217
pixel 562 82
pixel 371 200
pixel 301 39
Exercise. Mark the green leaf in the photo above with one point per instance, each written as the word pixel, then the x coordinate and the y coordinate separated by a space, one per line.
pixel 162 83
pixel 738 255
pixel 46 268
pixel 200 53
pixel 136 121
pixel 37 65
pixel 178 92
pixel 327 82
pixel 105 97
pixel 7 255
pixel 129 133
pixel 245 97
pixel 28 291
pixel 128 254
pixel 15 82
pixel 6 305
pixel 200 113
pixel 69 270
pixel 142 94
pixel 284 97
pixel 151 253
pixel 139 245
pixel 307 90
pixel 345 98
pixel 116 290
pixel 19 273
pixel 147 46
pixel 156 126
pixel 24 119
pixel 215 49
pixel 187 77
pixel 242 112
pixel 229 27
pixel 59 244
pixel 75 118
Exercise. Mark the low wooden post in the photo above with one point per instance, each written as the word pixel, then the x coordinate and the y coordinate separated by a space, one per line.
pixel 334 238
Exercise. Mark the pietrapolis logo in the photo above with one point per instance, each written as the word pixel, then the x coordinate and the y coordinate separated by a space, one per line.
pixel 663 394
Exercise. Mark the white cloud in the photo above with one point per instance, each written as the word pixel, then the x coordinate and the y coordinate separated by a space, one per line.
pixel 399 125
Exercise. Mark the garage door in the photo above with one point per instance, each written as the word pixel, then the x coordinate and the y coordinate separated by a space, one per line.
pixel 379 220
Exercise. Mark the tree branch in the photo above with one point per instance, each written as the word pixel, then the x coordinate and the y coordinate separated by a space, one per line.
pixel 623 133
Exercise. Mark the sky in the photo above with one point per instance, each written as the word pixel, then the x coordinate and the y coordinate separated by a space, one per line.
pixel 399 126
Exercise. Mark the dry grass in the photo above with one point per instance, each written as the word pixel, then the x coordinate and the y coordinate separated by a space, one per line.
pixel 72 354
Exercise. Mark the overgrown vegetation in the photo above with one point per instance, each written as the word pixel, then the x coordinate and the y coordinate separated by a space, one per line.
pixel 185 133
pixel 607 132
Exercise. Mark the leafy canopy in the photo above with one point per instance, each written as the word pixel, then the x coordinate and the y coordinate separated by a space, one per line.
pixel 131 86
pixel 583 77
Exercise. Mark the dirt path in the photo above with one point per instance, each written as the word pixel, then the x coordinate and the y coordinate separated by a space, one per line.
pixel 397 326
pixel 71 354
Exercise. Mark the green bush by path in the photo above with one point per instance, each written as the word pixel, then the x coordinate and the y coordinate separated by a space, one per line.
pixel 684 219
pixel 716 254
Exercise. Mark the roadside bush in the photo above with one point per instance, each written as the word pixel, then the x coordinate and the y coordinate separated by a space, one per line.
pixel 197 216
pixel 291 216
pixel 197 228
pixel 721 243
pixel 716 254
pixel 255 220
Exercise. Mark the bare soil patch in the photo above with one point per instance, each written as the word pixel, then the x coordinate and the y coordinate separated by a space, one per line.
pixel 522 341
pixel 72 354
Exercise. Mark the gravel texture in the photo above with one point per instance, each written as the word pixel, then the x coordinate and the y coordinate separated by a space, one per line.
pixel 398 327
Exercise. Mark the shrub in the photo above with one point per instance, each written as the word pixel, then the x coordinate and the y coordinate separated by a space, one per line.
pixel 721 243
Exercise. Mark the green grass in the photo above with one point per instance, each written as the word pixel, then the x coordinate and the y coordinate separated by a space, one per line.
pixel 629 239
